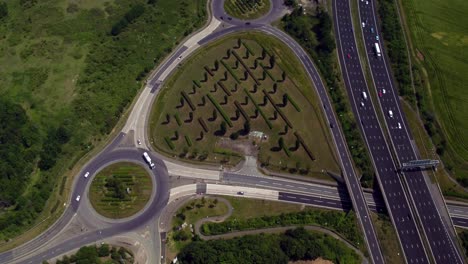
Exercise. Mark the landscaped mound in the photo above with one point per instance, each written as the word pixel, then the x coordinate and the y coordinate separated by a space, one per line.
pixel 120 190
pixel 244 95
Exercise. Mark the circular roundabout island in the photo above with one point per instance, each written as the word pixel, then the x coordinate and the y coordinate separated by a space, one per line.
pixel 120 190
pixel 247 9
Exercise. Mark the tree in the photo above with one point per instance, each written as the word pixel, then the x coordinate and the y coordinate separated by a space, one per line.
pixel 246 129
pixel 3 10
pixel 223 129
pixel 272 61
pixel 104 250
pixel 234 135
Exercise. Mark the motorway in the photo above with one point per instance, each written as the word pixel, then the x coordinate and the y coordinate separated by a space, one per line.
pixel 437 231
pixel 124 147
pixel 392 188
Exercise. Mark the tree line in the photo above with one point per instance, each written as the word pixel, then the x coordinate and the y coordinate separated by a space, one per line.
pixel 293 245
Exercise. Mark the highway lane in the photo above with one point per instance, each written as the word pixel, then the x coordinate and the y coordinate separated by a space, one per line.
pixel 386 171
pixel 352 182
pixel 442 245
pixel 336 193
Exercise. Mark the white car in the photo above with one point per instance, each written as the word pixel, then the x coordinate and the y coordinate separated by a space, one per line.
pixel 362 104
pixel 86 174
pixel 78 198
pixel 139 142
pixel 377 37
pixel 367 2
pixel 390 113
pixel 383 91
pixel 363 24
pixel 399 125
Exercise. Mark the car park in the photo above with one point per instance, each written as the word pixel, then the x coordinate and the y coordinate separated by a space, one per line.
pixel 86 174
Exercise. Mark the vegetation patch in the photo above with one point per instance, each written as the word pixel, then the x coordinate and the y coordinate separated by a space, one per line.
pixel 120 190
pixel 438 36
pixel 103 254
pixel 343 223
pixel 72 80
pixel 223 94
pixel 247 9
pixel 293 245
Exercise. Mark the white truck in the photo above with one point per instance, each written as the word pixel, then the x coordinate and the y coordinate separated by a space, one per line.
pixel 377 49
pixel 148 159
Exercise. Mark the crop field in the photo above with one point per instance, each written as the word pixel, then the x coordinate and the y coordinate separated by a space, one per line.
pixel 247 9
pixel 243 95
pixel 439 34
pixel 108 192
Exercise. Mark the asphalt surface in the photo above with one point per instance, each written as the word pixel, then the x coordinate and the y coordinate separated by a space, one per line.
pixel 339 194
pixel 389 181
pixel 436 231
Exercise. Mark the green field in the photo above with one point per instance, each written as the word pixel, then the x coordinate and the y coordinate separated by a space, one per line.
pixel 67 77
pixel 120 190
pixel 247 9
pixel 439 37
pixel 218 99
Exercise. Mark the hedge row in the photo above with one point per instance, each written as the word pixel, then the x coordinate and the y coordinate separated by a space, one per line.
pixel 307 150
pixel 197 83
pixel 285 118
pixel 188 140
pixel 245 67
pixel 208 71
pixel 259 109
pixel 224 88
pixel 248 48
pixel 230 71
pixel 220 110
pixel 267 72
pixel 169 143
pixel 187 98
pixel 177 117
pixel 203 124
pixel 293 102
pixel 242 111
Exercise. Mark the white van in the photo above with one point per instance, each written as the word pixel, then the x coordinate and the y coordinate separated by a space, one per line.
pixel 390 113
pixel 364 95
